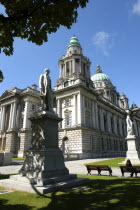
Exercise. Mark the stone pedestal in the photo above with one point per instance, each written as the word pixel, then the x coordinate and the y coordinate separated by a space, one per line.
pixel 133 152
pixel 5 158
pixel 43 170
pixel 44 159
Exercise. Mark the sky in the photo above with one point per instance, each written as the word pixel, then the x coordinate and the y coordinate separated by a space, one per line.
pixel 109 33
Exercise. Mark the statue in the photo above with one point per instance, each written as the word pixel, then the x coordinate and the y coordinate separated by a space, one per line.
pixel 130 131
pixel 46 91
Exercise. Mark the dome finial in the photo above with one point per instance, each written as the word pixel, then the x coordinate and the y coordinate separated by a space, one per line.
pixel 98 69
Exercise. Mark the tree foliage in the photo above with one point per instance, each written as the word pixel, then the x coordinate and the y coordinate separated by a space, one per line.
pixel 1 76
pixel 34 19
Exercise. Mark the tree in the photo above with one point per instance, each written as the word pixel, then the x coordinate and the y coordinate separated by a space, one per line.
pixel 34 19
pixel 1 76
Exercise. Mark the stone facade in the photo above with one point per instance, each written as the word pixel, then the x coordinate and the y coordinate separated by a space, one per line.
pixel 93 112
pixel 16 106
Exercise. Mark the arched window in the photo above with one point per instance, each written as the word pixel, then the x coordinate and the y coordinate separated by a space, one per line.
pixel 65 146
pixel 66 84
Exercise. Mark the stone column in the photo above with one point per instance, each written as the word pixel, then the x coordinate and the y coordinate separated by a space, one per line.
pixel 75 110
pixel 60 75
pixel 103 125
pixel 106 94
pixel 64 72
pixel 59 112
pixel 3 118
pixel 101 119
pixel 26 122
pixel 58 107
pixel 79 106
pixel 96 116
pixel 93 114
pixel 18 115
pixel 83 110
pixel 120 126
pixel 115 125
pixel 10 118
pixel 70 68
pixel 108 122
pixel 13 121
pixel 109 95
pixel 73 65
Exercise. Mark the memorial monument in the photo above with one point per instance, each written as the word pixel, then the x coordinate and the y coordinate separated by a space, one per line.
pixel 44 170
pixel 133 143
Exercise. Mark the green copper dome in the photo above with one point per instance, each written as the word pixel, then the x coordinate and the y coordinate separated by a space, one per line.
pixel 74 42
pixel 99 76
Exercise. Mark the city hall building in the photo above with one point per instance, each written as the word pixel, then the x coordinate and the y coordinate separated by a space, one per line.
pixel 93 112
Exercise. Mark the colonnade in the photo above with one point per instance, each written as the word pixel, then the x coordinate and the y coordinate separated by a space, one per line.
pixel 14 115
pixel 100 118
pixel 74 67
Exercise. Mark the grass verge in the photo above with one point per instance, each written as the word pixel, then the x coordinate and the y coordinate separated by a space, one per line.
pixel 112 162
pixel 105 192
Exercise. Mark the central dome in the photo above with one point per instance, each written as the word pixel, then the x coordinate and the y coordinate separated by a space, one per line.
pixel 99 76
pixel 74 42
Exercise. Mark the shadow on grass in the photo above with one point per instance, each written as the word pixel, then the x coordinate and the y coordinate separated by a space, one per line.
pixel 5 206
pixel 105 192
pixel 108 194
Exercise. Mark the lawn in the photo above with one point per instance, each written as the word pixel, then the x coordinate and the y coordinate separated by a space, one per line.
pixel 17 158
pixel 112 162
pixel 105 192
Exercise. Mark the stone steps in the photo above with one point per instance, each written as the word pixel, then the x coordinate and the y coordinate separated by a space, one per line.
pixel 39 189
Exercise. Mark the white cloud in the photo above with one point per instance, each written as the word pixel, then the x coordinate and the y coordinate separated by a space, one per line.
pixel 136 8
pixel 104 41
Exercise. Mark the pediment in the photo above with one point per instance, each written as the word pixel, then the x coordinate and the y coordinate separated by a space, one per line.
pixel 7 94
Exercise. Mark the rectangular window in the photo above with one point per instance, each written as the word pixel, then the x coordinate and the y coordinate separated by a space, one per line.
pixel 67 102
pixel 67 120
pixel 87 118
pixel 77 60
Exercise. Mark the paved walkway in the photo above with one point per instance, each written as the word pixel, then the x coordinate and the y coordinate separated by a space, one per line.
pixel 75 167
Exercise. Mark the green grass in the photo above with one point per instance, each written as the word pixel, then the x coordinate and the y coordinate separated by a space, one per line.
pixel 105 192
pixel 18 158
pixel 112 162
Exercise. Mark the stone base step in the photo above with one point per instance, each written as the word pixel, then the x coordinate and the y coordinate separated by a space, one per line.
pixel 57 179
pixel 44 181
pixel 39 189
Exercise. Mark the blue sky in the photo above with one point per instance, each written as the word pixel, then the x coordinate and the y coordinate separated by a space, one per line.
pixel 109 33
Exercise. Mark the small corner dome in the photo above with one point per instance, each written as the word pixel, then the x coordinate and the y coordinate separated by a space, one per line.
pixel 74 42
pixel 99 76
